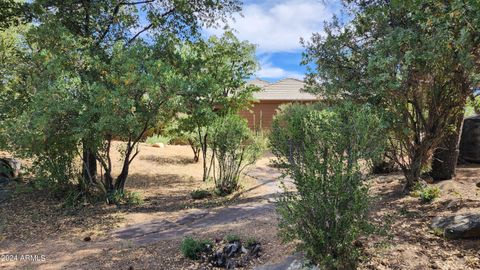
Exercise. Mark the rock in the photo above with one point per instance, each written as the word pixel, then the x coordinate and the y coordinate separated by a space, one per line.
pixel 230 250
pixel 470 140
pixel 158 145
pixel 295 262
pixel 478 185
pixel 460 226
pixel 255 250
pixel 87 239
pixel 208 249
pixel 453 204
pixel 244 250
pixel 9 167
pixel 218 259
pixel 230 264
pixel 6 170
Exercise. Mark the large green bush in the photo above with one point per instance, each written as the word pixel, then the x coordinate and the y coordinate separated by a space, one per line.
pixel 321 149
pixel 234 147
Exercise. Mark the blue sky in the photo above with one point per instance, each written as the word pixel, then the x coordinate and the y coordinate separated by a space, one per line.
pixel 276 27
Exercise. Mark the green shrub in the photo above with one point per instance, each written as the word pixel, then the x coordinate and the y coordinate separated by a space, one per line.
pixel 438 232
pixel 429 194
pixel 127 197
pixel 158 139
pixel 251 241
pixel 200 194
pixel 231 238
pixel 285 127
pixel 320 150
pixel 234 147
pixel 424 192
pixel 191 248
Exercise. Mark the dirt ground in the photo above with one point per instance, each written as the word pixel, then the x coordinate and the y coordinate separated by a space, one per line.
pixel 33 223
pixel 410 243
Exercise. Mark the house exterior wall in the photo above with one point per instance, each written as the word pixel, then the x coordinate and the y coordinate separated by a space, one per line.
pixel 262 112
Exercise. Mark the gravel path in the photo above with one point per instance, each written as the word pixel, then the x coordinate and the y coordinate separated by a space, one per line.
pixel 197 220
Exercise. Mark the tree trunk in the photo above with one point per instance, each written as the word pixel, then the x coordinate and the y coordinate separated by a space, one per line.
pixel 413 171
pixel 122 177
pixel 89 172
pixel 412 177
pixel 204 148
pixel 195 149
pixel 445 157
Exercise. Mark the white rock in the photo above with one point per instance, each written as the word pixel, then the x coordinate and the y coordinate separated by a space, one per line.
pixel 158 145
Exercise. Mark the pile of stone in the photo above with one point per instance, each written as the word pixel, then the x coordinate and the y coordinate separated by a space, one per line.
pixel 231 255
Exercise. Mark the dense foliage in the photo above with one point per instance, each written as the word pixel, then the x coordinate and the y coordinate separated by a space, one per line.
pixel 418 60
pixel 87 73
pixel 321 149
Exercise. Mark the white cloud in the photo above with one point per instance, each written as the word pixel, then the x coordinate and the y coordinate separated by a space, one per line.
pixel 277 26
pixel 271 72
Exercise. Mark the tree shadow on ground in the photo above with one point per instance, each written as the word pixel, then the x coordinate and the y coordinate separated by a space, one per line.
pixel 161 181
pixel 171 193
pixel 407 221
pixel 176 160
pixel 162 254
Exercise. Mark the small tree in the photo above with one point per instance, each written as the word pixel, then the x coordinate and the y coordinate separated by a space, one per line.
pixel 234 147
pixel 143 84
pixel 321 150
pixel 217 70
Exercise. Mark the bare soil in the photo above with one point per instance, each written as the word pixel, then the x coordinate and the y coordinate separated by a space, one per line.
pixel 33 222
pixel 410 243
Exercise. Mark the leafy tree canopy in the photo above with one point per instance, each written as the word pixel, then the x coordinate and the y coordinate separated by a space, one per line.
pixel 90 74
pixel 418 60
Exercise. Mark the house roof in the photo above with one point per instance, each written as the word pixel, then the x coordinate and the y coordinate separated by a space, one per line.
pixel 286 89
pixel 258 82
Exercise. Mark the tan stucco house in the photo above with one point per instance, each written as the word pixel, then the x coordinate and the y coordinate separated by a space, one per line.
pixel 271 97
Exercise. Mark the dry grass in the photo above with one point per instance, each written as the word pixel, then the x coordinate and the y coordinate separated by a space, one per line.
pixel 35 223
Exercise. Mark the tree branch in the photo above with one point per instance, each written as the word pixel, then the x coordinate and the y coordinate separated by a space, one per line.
pixel 146 28
pixel 116 9
pixel 136 3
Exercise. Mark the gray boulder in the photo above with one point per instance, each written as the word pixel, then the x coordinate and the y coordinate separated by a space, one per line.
pixel 459 226
pixel 470 140
pixel 9 167
pixel 293 262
